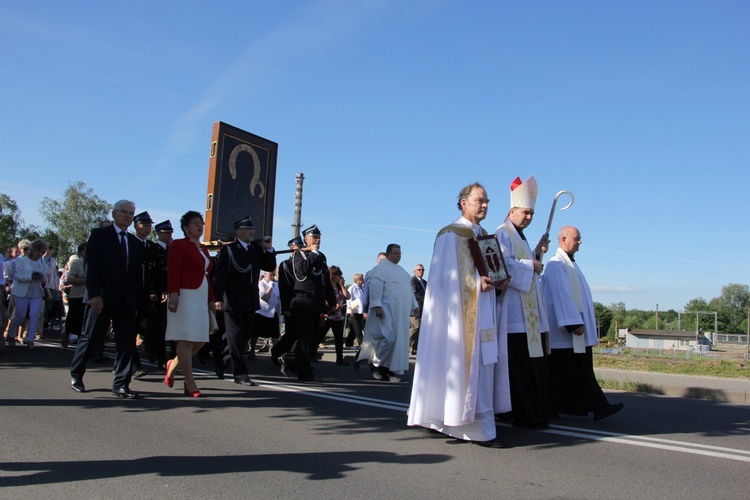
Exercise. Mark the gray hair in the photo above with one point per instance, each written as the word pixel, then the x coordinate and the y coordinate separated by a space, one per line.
pixel 120 203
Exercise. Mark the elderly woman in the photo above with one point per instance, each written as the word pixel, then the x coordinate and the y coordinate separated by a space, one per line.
pixel 190 298
pixel 75 281
pixel 28 291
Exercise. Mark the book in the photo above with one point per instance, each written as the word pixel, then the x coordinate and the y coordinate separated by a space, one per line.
pixel 489 258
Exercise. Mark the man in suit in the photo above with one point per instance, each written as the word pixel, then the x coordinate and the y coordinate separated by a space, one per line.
pixel 312 292
pixel 113 274
pixel 419 287
pixel 235 284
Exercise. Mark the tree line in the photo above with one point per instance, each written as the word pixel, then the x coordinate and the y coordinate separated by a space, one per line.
pixel 69 220
pixel 731 309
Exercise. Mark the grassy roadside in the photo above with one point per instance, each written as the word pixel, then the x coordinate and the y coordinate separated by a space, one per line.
pixel 704 367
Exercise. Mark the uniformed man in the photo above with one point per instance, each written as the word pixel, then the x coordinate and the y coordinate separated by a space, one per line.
pixel 313 294
pixel 157 293
pixel 235 284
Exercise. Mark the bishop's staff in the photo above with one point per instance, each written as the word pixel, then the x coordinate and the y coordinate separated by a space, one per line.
pixel 545 238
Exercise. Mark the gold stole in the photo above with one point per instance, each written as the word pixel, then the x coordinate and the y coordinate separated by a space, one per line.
pixel 579 341
pixel 468 288
pixel 528 299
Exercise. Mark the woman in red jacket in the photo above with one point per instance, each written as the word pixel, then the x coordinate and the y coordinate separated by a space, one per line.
pixel 190 298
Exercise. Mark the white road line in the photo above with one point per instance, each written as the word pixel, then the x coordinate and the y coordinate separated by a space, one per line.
pixel 591 434
pixel 728 453
pixel 654 439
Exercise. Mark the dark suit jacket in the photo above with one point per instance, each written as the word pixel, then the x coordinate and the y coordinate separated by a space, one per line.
pixel 106 275
pixel 419 292
pixel 237 273
pixel 186 267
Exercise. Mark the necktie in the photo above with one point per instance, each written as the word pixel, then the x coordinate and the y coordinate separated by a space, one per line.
pixel 124 249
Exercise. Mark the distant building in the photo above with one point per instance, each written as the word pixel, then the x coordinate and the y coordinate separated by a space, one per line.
pixel 664 339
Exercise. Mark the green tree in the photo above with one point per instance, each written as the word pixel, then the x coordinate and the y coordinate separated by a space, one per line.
pixel 618 316
pixel 73 216
pixel 698 304
pixel 732 306
pixel 603 319
pixel 10 222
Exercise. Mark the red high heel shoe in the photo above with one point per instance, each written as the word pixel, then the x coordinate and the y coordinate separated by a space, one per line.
pixel 193 394
pixel 167 379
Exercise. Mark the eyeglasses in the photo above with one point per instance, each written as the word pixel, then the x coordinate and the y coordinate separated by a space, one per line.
pixel 420 270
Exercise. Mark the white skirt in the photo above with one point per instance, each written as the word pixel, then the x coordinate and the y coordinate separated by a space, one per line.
pixel 190 321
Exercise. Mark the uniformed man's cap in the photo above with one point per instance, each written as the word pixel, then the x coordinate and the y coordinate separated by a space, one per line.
pixel 143 217
pixel 296 241
pixel 164 227
pixel 244 222
pixel 311 230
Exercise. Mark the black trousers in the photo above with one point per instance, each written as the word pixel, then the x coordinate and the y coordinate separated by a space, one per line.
pixel 239 329
pixel 95 329
pixel 573 388
pixel 357 327
pixel 74 319
pixel 306 325
pixel 528 376
pixel 337 327
pixel 287 344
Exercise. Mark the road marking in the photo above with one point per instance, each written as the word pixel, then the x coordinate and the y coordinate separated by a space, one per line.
pixel 561 430
pixel 649 442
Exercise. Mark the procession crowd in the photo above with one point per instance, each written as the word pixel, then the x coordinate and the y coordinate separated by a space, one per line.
pixel 497 334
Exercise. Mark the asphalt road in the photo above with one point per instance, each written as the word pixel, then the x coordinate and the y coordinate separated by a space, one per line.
pixel 343 438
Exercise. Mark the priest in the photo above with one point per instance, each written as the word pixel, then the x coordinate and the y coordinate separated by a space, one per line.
pixel 391 304
pixel 461 374
pixel 573 387
pixel 528 332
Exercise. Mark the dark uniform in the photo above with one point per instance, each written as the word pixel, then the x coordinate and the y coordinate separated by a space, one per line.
pixel 235 283
pixel 286 346
pixel 312 292
pixel 156 285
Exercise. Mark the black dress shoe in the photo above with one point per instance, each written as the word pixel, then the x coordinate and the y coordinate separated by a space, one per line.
pixel 608 411
pixel 64 338
pixel 341 362
pixel 139 374
pixel 306 378
pixel 283 366
pixel 245 381
pixel 492 443
pixel 76 383
pixel 124 393
pixel 220 373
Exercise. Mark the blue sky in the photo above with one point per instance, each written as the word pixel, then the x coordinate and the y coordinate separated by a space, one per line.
pixel 640 108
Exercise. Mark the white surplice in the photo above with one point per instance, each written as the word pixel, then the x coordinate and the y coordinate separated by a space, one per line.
pixel 386 340
pixel 562 308
pixel 461 374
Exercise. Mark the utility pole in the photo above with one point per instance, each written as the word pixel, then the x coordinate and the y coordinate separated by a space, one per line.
pixel 297 222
